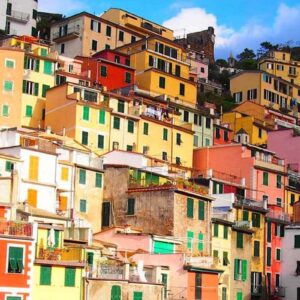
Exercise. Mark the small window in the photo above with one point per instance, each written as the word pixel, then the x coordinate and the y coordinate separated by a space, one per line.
pixel 225 232
pixel 216 230
pixel 28 111
pixel 62 48
pixel 108 31
pixel 45 275
pixel 94 45
pixel 8 85
pixel 9 63
pixel 82 205
pixel 86 113
pixel 130 206
pixel 133 39
pixel 208 123
pixel 165 134
pixel 82 176
pixel 186 116
pixel 64 174
pixel 181 89
pixel 5 110
pixel 260 133
pixel 130 126
pixel 107 47
pixel 102 116
pixel 70 274
pixel 146 128
pixel 98 180
pixel 116 124
pixel 121 36
pixel 256 248
pixel 15 260
pixel 178 139
pixel 279 202
pixel 127 77
pixel 278 254
pixel 103 71
pixel 100 141
pixel 85 138
pixel 162 82
pixel 265 178
pixel 297 241
pixel 177 161
pixel 278 181
pixel 240 240
pixel 164 155
pixel 121 106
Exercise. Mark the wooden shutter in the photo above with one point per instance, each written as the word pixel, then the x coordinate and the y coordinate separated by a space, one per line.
pixel 190 207
pixel 32 197
pixel 239 240
pixel 269 255
pixel 82 176
pixel 216 230
pixel 63 203
pixel 236 269
pixel 115 292
pixel 90 258
pixel 37 65
pixel 269 232
pixel 100 141
pixel 225 258
pixel 190 236
pixel 245 215
pixel 25 62
pixel 82 205
pixel 165 134
pixel 36 89
pixel 48 67
pixel 146 128
pixel 102 116
pixel 137 295
pixel 200 241
pixel 244 269
pixel 201 211
pixel 45 275
pixel 297 241
pixel 239 296
pixel 56 238
pixel 130 126
pixel 225 233
pixel 86 113
pixel 98 182
pixel 64 174
pixel 33 167
pixel 70 274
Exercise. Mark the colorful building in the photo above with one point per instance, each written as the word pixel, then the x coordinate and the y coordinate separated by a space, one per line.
pixel 222 134
pixel 108 64
pixel 84 34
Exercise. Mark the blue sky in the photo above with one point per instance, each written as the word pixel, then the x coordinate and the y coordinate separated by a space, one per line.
pixel 238 23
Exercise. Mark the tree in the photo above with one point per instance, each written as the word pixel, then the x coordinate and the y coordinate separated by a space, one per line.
pixel 246 54
pixel 247 64
pixel 265 47
pixel 222 63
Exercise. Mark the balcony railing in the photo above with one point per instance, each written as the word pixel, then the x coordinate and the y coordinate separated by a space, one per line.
pixel 279 291
pixel 150 27
pixel 278 216
pixel 60 254
pixel 256 290
pixel 243 224
pixel 19 16
pixel 251 203
pixel 71 32
pixel 107 271
pixel 77 234
pixel 18 229
pixel 200 261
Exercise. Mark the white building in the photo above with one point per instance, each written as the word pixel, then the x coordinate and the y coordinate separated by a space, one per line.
pixel 18 17
pixel 291 262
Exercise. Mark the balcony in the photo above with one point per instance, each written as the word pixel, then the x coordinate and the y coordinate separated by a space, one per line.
pixel 70 34
pixel 251 203
pixel 293 74
pixel 274 164
pixel 257 291
pixel 243 224
pixel 77 234
pixel 107 271
pixel 16 229
pixel 18 16
pixel 150 27
pixel 279 291
pixel 200 261
pixel 276 215
pixel 226 216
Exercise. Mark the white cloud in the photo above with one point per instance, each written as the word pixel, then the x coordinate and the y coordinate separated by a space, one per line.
pixel 61 6
pixel 284 28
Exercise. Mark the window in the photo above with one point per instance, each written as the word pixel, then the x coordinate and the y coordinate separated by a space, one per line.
pixel 108 31
pixel 64 174
pixel 103 71
pixel 190 237
pixel 240 269
pixel 133 39
pixel 277 280
pixel 225 233
pixel 100 141
pixel 218 133
pixel 297 241
pixel 224 293
pixel 129 148
pixel 62 48
pixel 252 94
pixel 198 286
pixel 165 134
pixel 130 126
pixel 85 113
pixel 8 166
pixel 127 77
pixel 15 259
pixel 178 139
pixel 98 180
pixel 116 124
pixel 185 116
pixel 298 268
pixel 226 138
pixel 130 206
pixel 162 82
pixel 94 45
pixel 85 138
pixel 190 207
pixel 82 176
pixel 31 64
pixel 278 254
pixel 30 88
pixel 216 230
pixel 102 116
pixel 278 202
pixel 292 199
pixel 95 26
pixel 269 254
pixel 8 85
pixel 181 89
pixel 207 142
pixel 278 181
pixel 207 123
pixel 146 129
pixel 70 274
pixel 269 232
pixel 121 106
pixel 240 240
pixel 200 241
pixel 82 205
pixel 45 275
pixel 48 67
pixel 245 215
pixel 9 63
pixel 238 97
pixel 28 111
pixel 177 71
pixel 121 36
pixel 45 88
pixel 201 210
pixel 256 248
pixel 115 293
pixel 164 155
pixel 265 178
pixel 137 295
pixel 164 280
pixel 107 47
pixel 239 295
pixel 256 220
pixel 225 258
pixel 260 133
pixel 5 110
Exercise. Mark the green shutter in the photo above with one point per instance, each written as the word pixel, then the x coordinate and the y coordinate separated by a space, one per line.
pixel 224 293
pixel 82 205
pixel 90 258
pixel 56 239
pixel 236 269
pixel 130 126
pixel 121 106
pixel 8 166
pixel 163 247
pixel 297 241
pixel 44 52
pixel 37 65
pixel 127 77
pixel 265 178
pixel 269 232
pixel 225 233
pixel 130 206
pixel 98 182
pixel 85 138
pixel 162 82
pixel 216 253
pixel 269 256
pixel 24 86
pixel 5 110
pixel 48 67
pixel 244 269
pixel 70 274
pixel 116 124
pixel 239 296
pixel 82 176
pixel 216 230
pixel 36 89
pixel 103 71
pixel 137 295
pixel 28 112
pixel 256 248
pixel 15 258
pixel 25 62
pixel 201 210
pixel 278 254
pixel 225 258
pixel 146 128
pixel 165 134
pixel 100 141
pixel 86 113
pixel 115 292
pixel 190 207
pixel 102 116
pixel 200 242
pixel 239 240
pixel 190 236
pixel 8 85
pixel 256 220
pixel 164 281
pixel 45 275
pixel 45 88
pixel 9 64
pixel 245 215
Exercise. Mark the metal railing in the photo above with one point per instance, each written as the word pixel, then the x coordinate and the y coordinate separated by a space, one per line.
pixel 243 224
pixel 106 271
pixel 251 203
pixel 60 254
pixel 75 30
pixel 14 228
pixel 78 234
pixel 279 291
pixel 278 216
pixel 19 16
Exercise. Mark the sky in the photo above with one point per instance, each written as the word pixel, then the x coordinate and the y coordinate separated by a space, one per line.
pixel 238 23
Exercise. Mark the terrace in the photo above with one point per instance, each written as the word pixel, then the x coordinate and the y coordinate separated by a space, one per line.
pixel 16 229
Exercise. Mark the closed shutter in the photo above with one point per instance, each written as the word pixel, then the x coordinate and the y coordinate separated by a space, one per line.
pixel 36 89
pixel 146 128
pixel 236 269
pixel 63 203
pixel 121 106
pixel 37 65
pixel 200 241
pixel 82 205
pixel 162 82
pixel 86 113
pixel 56 238
pixel 239 240
pixel 98 182
pixel 164 280
pixel 102 116
pixel 32 197
pixel 297 241
pixel 115 292
pixel 48 67
pixel 225 235
pixel 256 248
pixel 165 134
pixel 130 126
pixel 224 293
pixel 245 215
pixel 216 230
pixel 70 274
pixel 33 167
pixel 130 206
pixel 82 176
pixel 269 232
pixel 190 207
pixel 225 258
pixel 64 173
pixel 8 166
pixel 151 62
pixel 103 71
pixel 239 296
pixel 265 178
pixel 45 275
pixel 100 141
pixel 201 211
pixel 137 295
pixel 25 62
pixel 116 123
pixel 28 112
pixel 90 258
pixel 256 220
pixel 244 269
pixel 269 255
pixel 45 88
pixel 15 260
pixel 127 77
pixel 190 236
pixel 163 247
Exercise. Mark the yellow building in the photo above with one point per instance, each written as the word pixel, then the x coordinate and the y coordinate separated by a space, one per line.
pixel 58 269
pixel 105 121
pixel 161 69
pixel 136 23
pixel 267 90
pixel 280 64
pixel 38 68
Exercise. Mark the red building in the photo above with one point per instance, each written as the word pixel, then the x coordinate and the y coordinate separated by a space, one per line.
pixel 110 69
pixel 16 259
pixel 222 135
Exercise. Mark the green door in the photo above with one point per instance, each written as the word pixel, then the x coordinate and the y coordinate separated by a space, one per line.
pixel 115 292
